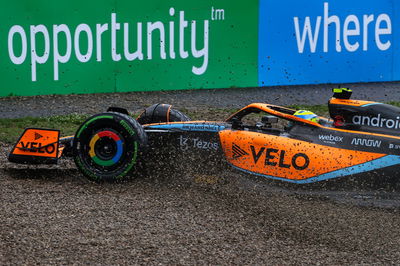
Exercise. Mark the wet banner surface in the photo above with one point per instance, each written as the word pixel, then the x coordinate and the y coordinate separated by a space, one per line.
pixel 106 46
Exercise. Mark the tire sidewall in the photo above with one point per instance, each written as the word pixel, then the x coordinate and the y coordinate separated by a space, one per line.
pixel 129 132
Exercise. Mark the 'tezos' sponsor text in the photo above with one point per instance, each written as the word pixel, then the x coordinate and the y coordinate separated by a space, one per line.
pixel 186 143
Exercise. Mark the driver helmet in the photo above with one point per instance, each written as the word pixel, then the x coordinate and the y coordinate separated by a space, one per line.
pixel 307 115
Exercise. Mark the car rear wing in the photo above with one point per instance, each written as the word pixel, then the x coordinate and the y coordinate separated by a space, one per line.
pixel 37 146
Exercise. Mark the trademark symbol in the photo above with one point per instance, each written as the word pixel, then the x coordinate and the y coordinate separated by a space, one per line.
pixel 217 14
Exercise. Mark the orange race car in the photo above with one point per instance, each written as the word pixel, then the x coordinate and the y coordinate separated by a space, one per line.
pixel 360 139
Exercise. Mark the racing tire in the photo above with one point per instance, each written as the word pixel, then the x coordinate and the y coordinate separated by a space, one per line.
pixel 107 146
pixel 177 116
pixel 161 113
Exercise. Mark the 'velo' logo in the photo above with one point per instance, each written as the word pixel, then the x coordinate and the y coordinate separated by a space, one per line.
pixel 277 158
pixel 37 147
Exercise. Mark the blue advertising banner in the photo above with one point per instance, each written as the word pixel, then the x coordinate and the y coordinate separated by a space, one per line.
pixel 316 41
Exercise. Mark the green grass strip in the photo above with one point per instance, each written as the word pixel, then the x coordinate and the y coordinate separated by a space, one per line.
pixel 11 129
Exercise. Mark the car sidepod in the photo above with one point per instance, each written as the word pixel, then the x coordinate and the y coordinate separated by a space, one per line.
pixel 306 154
pixel 184 147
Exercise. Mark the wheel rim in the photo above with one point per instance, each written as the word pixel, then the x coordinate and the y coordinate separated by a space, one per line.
pixel 105 148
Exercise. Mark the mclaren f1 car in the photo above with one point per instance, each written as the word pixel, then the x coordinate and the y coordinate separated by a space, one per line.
pixel 361 138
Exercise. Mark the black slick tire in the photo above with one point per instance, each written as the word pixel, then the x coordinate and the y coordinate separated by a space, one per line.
pixel 107 146
pixel 161 113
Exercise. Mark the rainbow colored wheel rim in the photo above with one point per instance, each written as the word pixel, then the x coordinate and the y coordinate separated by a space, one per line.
pixel 108 137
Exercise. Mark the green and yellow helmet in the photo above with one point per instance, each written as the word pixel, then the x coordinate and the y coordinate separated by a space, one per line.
pixel 304 114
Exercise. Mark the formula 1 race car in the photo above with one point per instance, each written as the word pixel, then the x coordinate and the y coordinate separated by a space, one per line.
pixel 360 138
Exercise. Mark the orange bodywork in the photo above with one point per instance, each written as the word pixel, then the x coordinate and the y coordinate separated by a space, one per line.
pixel 268 109
pixel 38 142
pixel 348 102
pixel 287 158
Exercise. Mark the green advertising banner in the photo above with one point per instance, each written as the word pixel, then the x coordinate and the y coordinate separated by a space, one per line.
pixel 70 46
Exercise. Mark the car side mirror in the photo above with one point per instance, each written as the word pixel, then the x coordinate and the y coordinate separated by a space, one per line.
pixel 269 119
pixel 236 123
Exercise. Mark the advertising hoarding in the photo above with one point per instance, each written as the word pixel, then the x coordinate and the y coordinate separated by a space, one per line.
pixel 59 47
pixel 316 41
